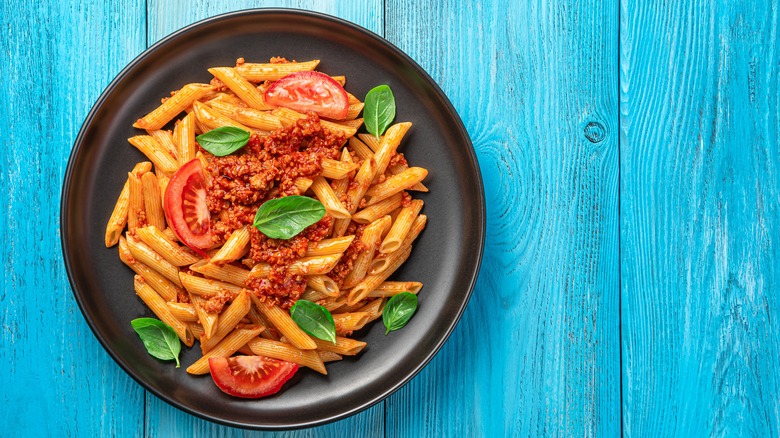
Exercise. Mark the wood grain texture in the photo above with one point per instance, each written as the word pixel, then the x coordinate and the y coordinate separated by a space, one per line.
pixel 700 232
pixel 56 380
pixel 166 17
pixel 537 351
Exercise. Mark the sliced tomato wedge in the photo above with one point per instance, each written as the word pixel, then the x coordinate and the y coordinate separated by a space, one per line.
pixel 310 91
pixel 186 209
pixel 250 376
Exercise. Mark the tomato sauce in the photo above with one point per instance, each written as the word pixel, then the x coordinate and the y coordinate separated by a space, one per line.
pixel 267 168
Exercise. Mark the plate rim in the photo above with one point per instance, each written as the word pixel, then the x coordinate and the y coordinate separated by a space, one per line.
pixel 78 146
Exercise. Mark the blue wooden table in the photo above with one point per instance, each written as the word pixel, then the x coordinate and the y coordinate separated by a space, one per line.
pixel 631 277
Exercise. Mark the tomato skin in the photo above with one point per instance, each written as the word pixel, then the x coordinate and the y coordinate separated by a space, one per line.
pixel 185 207
pixel 310 91
pixel 250 376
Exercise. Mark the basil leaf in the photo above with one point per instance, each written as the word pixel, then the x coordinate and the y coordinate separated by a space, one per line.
pixel 379 110
pixel 284 218
pixel 223 141
pixel 314 320
pixel 398 311
pixel 159 338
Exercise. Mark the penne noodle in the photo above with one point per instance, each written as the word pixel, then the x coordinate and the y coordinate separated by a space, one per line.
pixel 342 80
pixel 302 184
pixel 135 212
pixel 401 226
pixel 282 321
pixel 170 251
pixel 243 89
pixel 161 158
pixel 336 169
pixel 146 255
pixel 352 125
pixel 388 146
pixel 256 317
pixel 152 201
pixel 355 193
pixel 352 99
pixel 254 72
pixel 360 148
pixel 229 345
pixel 210 119
pixel 282 351
pixel 384 261
pixel 328 356
pixel 393 288
pixel 336 245
pixel 236 246
pixel 228 320
pixel 395 184
pixel 371 235
pixel 229 273
pixel 373 308
pixel 173 106
pixel 343 346
pixel 334 303
pixel 250 117
pixel 354 110
pixel 371 281
pixel 118 219
pixel 207 320
pixel 304 266
pixel 324 284
pixel 349 322
pixel 159 308
pixel 165 140
pixel 186 146
pixel 196 329
pixel 313 295
pixel 288 117
pixel 184 312
pixel 206 287
pixel 394 169
pixel 162 183
pixel 374 212
pixel 164 287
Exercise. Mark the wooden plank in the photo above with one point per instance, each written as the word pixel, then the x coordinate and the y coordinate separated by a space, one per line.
pixel 699 218
pixel 537 351
pixel 57 59
pixel 165 18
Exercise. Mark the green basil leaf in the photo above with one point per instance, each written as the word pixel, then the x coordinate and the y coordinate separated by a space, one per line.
pixel 223 141
pixel 379 110
pixel 284 218
pixel 398 311
pixel 159 338
pixel 314 320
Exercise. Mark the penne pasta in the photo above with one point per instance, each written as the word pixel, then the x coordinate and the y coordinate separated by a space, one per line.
pixel 118 219
pixel 282 351
pixel 254 72
pixel 161 158
pixel 185 140
pixel 250 117
pixel 336 245
pixel 243 89
pixel 282 321
pixel 149 257
pixel 371 235
pixel 384 261
pixel 152 201
pixel 401 226
pixel 349 322
pixel 210 119
pixel 135 200
pixel 206 287
pixel 236 246
pixel 159 308
pixel 170 251
pixel 228 273
pixel 207 319
pixel 184 312
pixel 228 320
pixel 395 184
pixel 324 284
pixel 392 288
pixel 371 281
pixel 336 169
pixel 393 169
pixel 343 346
pixel 173 106
pixel 374 212
pixel 164 287
pixel 229 345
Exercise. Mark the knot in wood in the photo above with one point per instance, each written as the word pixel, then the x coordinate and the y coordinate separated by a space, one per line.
pixel 595 132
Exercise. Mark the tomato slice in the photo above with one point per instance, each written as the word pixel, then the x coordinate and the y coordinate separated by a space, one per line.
pixel 186 209
pixel 310 91
pixel 250 376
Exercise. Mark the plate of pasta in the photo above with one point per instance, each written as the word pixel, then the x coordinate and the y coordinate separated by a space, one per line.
pixel 272 219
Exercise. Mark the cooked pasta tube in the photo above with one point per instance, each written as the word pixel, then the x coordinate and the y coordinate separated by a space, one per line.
pixel 354 110
pixel 392 288
pixel 282 351
pixel 385 260
pixel 388 146
pixel 395 184
pixel 159 308
pixel 393 169
pixel 361 148
pixel 173 106
pixel 325 194
pixel 211 119
pixel 256 72
pixel 204 286
pixel 184 312
pixel 243 89
pixel 371 281
pixel 314 295
pixel 170 251
pixel 153 150
pixel 207 320
pixel 289 116
pixel 373 308
pixel 371 235
pixel 302 184
pixel 336 245
pixel 376 211
pixel 228 320
pixel 152 201
pixel 336 169
pixel 185 140
pixel 401 226
pixel 118 219
pixel 282 321
pixel 229 345
pixel 141 252
pixel 355 193
pixel 229 273
pixel 236 246
pixel 328 356
pixel 166 288
pixel 349 322
pixel 256 317
pixel 323 283
pixel 304 266
pixel 196 329
pixel 343 346
pixel 162 183
pixel 250 117
pixel 165 139
pixel 135 201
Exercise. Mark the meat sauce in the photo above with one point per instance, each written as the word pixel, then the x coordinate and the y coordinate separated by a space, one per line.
pixel 266 169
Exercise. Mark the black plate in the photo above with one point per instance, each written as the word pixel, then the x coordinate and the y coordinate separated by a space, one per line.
pixel 446 258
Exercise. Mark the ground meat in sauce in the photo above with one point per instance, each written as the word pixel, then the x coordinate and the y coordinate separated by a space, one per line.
pixel 216 303
pixel 267 168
